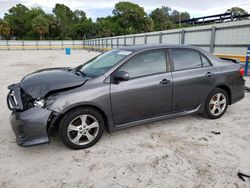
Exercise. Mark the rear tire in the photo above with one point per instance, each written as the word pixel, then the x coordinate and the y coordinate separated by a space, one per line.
pixel 81 128
pixel 216 104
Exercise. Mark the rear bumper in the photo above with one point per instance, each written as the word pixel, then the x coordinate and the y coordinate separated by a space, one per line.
pixel 238 91
pixel 238 97
pixel 30 127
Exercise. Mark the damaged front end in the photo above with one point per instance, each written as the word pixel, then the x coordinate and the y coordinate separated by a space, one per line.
pixel 30 119
pixel 30 101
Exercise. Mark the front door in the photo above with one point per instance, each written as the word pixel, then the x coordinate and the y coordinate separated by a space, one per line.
pixel 148 92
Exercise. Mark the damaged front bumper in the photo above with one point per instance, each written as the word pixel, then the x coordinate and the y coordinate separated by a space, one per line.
pixel 30 125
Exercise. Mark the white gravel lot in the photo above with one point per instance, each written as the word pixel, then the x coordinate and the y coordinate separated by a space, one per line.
pixel 180 152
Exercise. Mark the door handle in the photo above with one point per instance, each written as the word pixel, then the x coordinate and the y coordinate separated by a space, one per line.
pixel 209 74
pixel 164 82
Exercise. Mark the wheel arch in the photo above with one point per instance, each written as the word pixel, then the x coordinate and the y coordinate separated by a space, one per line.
pixel 227 90
pixel 95 107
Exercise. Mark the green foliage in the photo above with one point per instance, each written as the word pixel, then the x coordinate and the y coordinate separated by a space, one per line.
pixel 40 26
pixel 17 19
pixel 165 18
pixel 107 27
pixel 64 19
pixel 237 11
pixel 132 17
pixel 4 29
pixel 128 18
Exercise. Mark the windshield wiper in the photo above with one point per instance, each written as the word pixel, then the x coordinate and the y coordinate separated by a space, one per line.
pixel 82 73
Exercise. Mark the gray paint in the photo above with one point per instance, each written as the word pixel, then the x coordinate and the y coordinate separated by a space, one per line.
pixel 33 123
pixel 40 83
pixel 142 99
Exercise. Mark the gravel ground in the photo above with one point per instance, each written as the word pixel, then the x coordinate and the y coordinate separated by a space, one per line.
pixel 181 152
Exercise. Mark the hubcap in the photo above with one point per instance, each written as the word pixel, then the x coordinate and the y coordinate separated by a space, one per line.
pixel 83 129
pixel 217 104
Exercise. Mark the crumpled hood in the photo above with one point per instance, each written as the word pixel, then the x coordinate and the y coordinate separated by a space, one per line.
pixel 40 83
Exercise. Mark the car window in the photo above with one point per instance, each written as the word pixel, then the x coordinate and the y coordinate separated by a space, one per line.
pixel 186 59
pixel 205 62
pixel 104 62
pixel 146 63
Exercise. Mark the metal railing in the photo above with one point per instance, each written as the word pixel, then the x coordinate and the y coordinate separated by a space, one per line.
pixel 225 38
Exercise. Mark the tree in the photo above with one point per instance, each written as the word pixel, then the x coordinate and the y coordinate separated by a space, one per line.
pixel 40 25
pixel 4 29
pixel 21 22
pixel 64 19
pixel 237 11
pixel 80 15
pixel 84 29
pixel 167 10
pixel 16 17
pixel 164 18
pixel 131 17
pixel 32 14
pixel 161 20
pixel 108 27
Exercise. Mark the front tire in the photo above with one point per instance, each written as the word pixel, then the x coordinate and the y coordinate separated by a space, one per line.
pixel 81 128
pixel 216 104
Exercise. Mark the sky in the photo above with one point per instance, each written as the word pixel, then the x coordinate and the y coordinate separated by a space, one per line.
pixel 102 8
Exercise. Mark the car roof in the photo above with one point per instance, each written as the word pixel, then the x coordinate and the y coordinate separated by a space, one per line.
pixel 155 46
pixel 144 47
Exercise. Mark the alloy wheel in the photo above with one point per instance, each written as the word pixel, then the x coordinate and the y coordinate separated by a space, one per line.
pixel 217 104
pixel 83 129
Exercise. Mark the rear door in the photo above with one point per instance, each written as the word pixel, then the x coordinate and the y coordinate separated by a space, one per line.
pixel 148 92
pixel 193 78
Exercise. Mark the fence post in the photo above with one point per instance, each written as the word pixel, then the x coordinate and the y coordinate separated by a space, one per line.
pixel 182 36
pixel 133 39
pixel 117 42
pixel 247 61
pixel 8 46
pixel 145 39
pixel 111 41
pixel 212 39
pixel 37 45
pixel 125 41
pixel 160 38
pixel 50 44
pixel 62 44
pixel 23 44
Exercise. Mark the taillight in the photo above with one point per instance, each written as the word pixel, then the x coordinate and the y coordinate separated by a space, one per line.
pixel 242 71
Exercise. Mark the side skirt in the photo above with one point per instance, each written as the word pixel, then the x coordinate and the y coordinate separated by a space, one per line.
pixel 159 118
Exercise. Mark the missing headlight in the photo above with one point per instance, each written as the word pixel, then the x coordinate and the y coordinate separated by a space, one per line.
pixel 39 103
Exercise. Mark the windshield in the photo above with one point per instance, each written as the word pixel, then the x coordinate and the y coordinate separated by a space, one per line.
pixel 103 63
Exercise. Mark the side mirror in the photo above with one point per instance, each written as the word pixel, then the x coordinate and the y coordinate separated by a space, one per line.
pixel 121 76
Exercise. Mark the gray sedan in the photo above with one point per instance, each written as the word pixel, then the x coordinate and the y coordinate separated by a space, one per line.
pixel 122 88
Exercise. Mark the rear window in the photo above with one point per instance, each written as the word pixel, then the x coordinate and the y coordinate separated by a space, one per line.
pixel 205 61
pixel 186 59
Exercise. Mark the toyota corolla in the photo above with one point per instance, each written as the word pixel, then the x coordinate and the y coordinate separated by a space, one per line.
pixel 122 88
